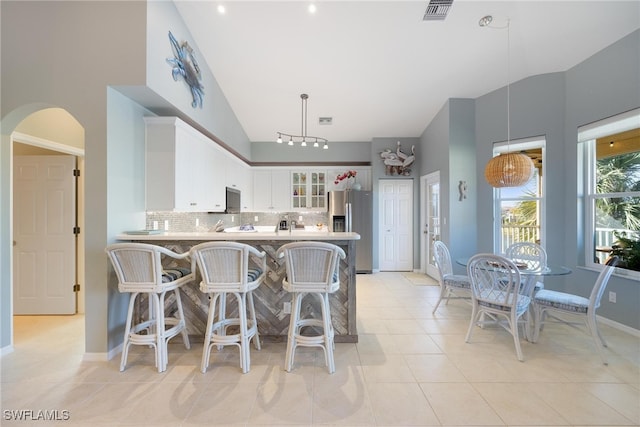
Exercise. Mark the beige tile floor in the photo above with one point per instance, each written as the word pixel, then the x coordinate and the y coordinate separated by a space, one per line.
pixel 409 368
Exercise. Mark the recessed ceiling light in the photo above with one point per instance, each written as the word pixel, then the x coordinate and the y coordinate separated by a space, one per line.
pixel 312 8
pixel 221 9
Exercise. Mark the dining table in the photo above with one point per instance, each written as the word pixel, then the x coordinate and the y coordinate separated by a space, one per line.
pixel 530 278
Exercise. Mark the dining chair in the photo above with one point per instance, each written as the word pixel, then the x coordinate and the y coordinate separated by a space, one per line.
pixel 139 269
pixel 546 303
pixel 449 282
pixel 226 268
pixel 495 292
pixel 312 268
pixel 531 255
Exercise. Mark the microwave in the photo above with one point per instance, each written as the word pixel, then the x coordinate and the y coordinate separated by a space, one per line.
pixel 233 203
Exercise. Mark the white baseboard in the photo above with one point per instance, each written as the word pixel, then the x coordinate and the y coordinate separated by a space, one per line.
pixel 619 326
pixel 6 350
pixel 102 357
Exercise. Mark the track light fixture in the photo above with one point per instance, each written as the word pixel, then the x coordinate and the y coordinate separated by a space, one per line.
pixel 303 137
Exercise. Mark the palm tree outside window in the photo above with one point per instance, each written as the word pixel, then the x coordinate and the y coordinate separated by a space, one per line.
pixel 521 209
pixel 612 191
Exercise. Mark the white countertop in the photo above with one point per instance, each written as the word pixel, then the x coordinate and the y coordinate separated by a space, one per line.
pixel 242 236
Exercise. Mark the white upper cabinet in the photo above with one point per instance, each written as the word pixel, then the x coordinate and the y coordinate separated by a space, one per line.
pixel 308 190
pixel 271 189
pixel 185 170
pixel 239 177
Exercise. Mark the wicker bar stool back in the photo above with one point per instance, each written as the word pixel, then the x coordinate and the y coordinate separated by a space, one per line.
pixel 138 267
pixel 226 268
pixel 312 268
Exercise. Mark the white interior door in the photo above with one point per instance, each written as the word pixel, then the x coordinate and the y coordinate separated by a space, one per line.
pixel 396 224
pixel 44 252
pixel 430 215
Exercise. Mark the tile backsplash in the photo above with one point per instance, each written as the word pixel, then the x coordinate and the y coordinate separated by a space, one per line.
pixel 204 221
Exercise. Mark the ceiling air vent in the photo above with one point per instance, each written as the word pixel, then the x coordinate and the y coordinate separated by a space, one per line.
pixel 437 10
pixel 325 120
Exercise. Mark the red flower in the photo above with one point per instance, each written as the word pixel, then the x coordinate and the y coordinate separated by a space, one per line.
pixel 347 174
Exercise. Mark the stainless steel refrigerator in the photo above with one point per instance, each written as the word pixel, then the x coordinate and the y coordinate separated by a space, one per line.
pixel 352 211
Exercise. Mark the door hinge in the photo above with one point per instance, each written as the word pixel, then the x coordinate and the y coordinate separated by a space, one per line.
pixel 76 288
pixel 76 230
pixel 76 172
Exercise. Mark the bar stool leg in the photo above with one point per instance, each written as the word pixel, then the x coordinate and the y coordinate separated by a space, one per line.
pixel 161 343
pixel 244 339
pixel 327 332
pixel 254 321
pixel 127 330
pixel 296 299
pixel 182 320
pixel 206 350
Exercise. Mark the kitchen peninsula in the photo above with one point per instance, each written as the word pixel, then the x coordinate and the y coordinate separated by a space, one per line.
pixel 270 297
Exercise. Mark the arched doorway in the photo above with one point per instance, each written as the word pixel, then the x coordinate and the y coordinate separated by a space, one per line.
pixel 41 132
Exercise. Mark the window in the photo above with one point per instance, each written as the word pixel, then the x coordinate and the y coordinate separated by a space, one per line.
pixel 611 181
pixel 521 209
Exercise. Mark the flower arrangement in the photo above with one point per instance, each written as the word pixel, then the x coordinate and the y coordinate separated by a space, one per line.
pixel 347 174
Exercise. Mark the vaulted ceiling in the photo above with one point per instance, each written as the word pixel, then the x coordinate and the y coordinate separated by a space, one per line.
pixel 376 67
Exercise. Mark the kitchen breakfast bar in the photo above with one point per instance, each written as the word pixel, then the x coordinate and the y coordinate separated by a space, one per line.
pixel 270 297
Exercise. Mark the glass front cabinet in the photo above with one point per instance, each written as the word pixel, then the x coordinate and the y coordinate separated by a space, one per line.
pixel 309 190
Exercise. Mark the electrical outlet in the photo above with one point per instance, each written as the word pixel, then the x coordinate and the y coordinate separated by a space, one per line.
pixel 255 218
pixel 197 222
pixel 286 308
pixel 612 297
pixel 300 218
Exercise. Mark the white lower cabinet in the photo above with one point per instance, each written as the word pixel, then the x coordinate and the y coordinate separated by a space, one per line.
pixel 184 169
pixel 271 190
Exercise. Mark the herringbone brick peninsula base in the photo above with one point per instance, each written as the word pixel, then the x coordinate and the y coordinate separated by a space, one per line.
pixel 270 297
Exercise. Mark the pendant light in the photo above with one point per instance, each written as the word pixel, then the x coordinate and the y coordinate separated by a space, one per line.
pixel 507 169
pixel 303 137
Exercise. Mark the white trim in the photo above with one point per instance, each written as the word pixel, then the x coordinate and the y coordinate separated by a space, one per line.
pixel 619 326
pixel 45 143
pixel 519 144
pixel 7 350
pixel 610 125
pixel 102 357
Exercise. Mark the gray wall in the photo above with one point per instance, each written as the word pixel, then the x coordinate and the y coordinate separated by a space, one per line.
pixel 606 84
pixel 537 109
pixel 448 146
pixel 216 115
pixel 555 105
pixel 125 192
pixel 70 54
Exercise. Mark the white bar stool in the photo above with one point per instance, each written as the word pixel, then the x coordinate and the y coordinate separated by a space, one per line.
pixel 224 267
pixel 139 270
pixel 312 268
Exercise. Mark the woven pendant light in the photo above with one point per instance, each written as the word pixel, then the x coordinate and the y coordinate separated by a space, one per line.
pixel 509 170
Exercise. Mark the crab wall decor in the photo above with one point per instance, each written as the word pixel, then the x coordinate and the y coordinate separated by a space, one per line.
pixel 398 163
pixel 185 65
